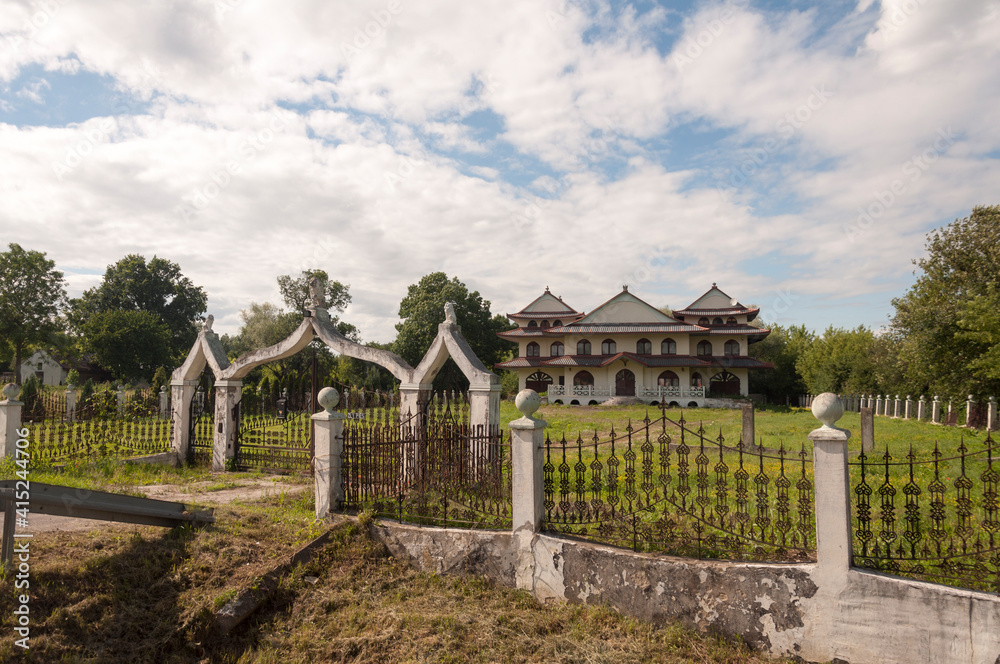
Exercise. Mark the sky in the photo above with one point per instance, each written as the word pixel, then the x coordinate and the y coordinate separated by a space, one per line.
pixel 794 153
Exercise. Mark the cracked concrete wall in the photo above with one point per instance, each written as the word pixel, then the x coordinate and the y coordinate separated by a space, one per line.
pixel 793 610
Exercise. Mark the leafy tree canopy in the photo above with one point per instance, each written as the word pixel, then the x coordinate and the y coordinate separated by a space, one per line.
pixel 31 293
pixel 295 291
pixel 782 348
pixel 422 310
pixel 156 287
pixel 131 344
pixel 944 323
pixel 839 361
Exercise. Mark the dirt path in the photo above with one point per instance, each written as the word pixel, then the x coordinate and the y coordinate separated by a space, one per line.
pixel 202 493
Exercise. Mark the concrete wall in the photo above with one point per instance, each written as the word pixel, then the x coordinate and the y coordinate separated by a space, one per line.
pixel 786 610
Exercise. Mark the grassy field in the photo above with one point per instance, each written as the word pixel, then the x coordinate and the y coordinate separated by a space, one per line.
pixel 142 594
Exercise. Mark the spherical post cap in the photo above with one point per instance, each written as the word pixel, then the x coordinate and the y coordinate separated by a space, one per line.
pixel 827 408
pixel 328 398
pixel 10 392
pixel 527 401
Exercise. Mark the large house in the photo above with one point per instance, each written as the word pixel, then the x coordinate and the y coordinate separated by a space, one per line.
pixel 628 348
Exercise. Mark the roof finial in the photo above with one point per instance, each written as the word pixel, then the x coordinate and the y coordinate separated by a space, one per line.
pixel 546 289
pixel 625 287
pixel 713 284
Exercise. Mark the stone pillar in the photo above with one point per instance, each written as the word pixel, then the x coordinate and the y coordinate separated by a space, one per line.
pixel 898 407
pixel 164 403
pixel 922 408
pixel 969 405
pixel 908 412
pixel 936 410
pixel 526 443
pixel 121 399
pixel 10 420
pixel 328 462
pixel 70 403
pixel 867 430
pixel 227 395
pixel 748 425
pixel 991 416
pixel 878 404
pixel 181 392
pixel 484 405
pixel 951 409
pixel 413 398
pixel 832 491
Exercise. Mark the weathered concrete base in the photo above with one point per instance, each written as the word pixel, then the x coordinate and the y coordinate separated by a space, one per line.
pixel 784 609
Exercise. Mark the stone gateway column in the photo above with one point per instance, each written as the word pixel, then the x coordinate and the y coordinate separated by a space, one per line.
pixel 327 464
pixel 227 396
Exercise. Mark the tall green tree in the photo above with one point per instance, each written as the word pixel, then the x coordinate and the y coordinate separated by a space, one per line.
pixel 839 361
pixel 131 344
pixel 422 310
pixel 782 348
pixel 31 293
pixel 295 291
pixel 943 322
pixel 157 287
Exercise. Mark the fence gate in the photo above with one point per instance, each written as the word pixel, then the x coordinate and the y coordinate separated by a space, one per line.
pixel 279 440
pixel 432 471
pixel 202 432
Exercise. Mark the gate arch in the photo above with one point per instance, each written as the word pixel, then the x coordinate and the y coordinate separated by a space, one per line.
pixel 415 382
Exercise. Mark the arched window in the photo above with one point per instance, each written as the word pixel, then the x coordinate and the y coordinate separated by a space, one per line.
pixel 557 349
pixel 608 347
pixel 668 379
pixel 533 350
pixel 538 381
pixel 557 323
pixel 583 378
pixel 643 347
pixel 545 324
pixel 716 321
pixel 705 348
pixel 732 347
pixel 702 321
pixel 583 348
pixel 696 380
pixel 731 321
pixel 668 347
pixel 533 323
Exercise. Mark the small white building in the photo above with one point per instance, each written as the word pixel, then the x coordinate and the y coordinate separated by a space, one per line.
pixel 42 365
pixel 628 348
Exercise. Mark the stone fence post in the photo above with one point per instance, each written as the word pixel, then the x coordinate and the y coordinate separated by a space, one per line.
pixel 526 444
pixel 969 405
pixel 922 408
pixel 936 410
pixel 867 430
pixel 748 425
pixel 70 403
pixel 991 415
pixel 327 464
pixel 10 420
pixel 164 402
pixel 898 407
pixel 908 412
pixel 120 393
pixel 832 490
pixel 878 405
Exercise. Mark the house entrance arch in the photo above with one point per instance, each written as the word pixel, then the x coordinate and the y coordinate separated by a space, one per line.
pixel 625 383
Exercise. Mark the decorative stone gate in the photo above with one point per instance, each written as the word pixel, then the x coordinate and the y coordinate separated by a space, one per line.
pixel 415 382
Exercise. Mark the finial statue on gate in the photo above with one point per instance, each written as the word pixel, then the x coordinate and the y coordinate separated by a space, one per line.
pixel 316 294
pixel 207 325
pixel 449 313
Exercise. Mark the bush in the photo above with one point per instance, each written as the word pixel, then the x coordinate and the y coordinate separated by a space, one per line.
pixel 30 396
pixel 160 379
pixel 73 377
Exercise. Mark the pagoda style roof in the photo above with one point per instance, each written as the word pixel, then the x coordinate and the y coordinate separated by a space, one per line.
pixel 714 302
pixel 629 328
pixel 546 305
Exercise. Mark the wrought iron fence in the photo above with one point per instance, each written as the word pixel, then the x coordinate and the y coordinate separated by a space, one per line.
pixel 440 472
pixel 268 443
pixel 54 440
pixel 661 487
pixel 936 519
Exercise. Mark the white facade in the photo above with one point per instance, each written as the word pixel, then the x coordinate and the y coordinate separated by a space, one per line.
pixel 42 365
pixel 628 348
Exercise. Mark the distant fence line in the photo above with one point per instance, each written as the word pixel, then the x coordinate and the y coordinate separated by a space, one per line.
pixel 951 411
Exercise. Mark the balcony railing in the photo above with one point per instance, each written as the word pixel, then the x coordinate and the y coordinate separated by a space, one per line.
pixel 659 392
